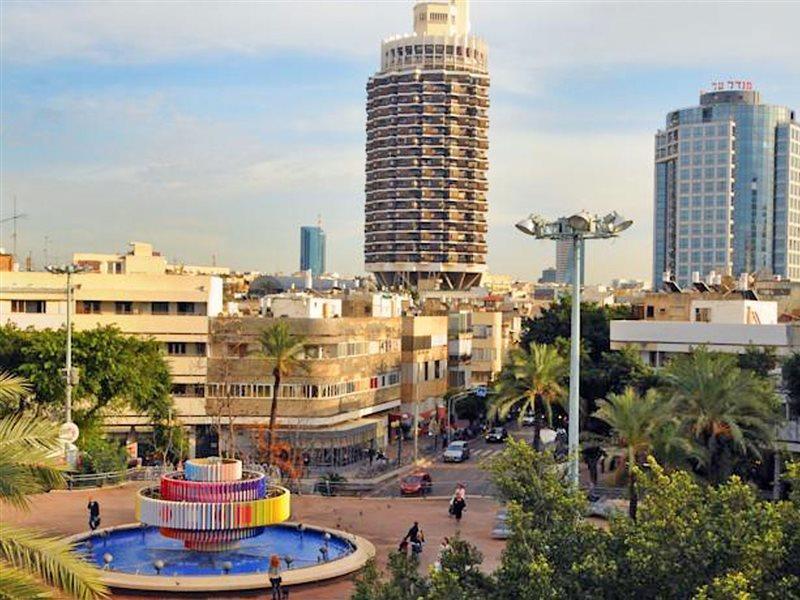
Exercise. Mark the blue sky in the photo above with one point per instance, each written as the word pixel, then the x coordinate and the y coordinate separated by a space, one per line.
pixel 220 128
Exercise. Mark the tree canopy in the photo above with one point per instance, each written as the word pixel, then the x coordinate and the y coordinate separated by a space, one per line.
pixel 115 371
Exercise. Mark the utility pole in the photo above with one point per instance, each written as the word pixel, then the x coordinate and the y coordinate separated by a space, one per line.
pixel 71 377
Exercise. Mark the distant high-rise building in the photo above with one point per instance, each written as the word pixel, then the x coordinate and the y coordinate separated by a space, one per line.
pixel 312 249
pixel 426 163
pixel 548 275
pixel 564 258
pixel 727 188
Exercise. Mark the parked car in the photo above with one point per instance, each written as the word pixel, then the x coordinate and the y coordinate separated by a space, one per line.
pixel 457 452
pixel 529 420
pixel 497 435
pixel 416 483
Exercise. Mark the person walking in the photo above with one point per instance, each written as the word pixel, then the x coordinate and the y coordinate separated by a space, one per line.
pixel 94 513
pixel 416 545
pixel 275 576
pixel 413 533
pixel 458 502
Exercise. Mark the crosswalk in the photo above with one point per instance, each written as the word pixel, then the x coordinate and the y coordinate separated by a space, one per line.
pixel 486 452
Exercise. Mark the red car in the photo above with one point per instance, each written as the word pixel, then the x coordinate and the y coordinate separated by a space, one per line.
pixel 416 483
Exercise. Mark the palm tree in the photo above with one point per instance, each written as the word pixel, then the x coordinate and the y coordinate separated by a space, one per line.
pixel 723 409
pixel 531 380
pixel 31 563
pixel 283 349
pixel 634 421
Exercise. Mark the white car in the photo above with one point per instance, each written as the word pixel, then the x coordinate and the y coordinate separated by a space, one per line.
pixel 456 452
pixel 528 420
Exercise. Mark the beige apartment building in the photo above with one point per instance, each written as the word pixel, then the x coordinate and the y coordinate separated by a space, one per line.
pixel 140 298
pixel 424 364
pixel 333 406
pixel 488 348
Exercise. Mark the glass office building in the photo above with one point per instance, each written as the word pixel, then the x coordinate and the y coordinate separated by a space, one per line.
pixel 312 250
pixel 564 260
pixel 727 188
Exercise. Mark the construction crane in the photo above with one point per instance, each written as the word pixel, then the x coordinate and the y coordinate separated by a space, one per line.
pixel 15 216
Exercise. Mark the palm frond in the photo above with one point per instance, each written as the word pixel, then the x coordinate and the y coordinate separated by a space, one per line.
pixel 29 458
pixel 12 387
pixel 54 561
pixel 16 584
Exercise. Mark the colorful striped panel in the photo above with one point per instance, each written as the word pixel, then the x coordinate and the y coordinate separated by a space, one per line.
pixel 177 489
pixel 213 515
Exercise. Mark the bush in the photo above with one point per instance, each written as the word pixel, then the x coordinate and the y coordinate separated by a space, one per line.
pixel 101 455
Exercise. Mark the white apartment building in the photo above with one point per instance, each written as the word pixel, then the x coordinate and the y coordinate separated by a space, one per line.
pixel 138 296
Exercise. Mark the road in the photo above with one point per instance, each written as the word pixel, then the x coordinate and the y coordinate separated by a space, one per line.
pixel 445 476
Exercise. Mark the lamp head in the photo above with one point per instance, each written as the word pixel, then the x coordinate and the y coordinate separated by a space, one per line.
pixel 616 223
pixel 581 222
pixel 530 226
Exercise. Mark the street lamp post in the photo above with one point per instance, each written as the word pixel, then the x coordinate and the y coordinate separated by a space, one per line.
pixel 68 270
pixel 576 228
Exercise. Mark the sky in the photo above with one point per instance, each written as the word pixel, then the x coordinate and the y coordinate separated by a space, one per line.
pixel 215 130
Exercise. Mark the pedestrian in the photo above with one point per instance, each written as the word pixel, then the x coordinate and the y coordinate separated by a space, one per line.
pixel 94 513
pixel 371 455
pixel 413 533
pixel 458 502
pixel 275 576
pixel 403 547
pixel 416 545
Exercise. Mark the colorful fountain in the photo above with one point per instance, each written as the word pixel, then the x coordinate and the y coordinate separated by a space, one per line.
pixel 213 504
pixel 213 527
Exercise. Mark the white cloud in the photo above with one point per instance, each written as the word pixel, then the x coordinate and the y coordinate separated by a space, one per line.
pixel 536 34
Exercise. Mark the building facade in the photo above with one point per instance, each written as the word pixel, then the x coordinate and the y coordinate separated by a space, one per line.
pixel 427 144
pixel 565 257
pixel 312 250
pixel 334 405
pixel 139 298
pixel 488 347
pixel 727 188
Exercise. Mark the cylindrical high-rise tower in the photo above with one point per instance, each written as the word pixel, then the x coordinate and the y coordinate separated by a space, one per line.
pixel 427 121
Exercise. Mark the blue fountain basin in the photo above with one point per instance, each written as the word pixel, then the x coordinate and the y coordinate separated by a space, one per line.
pixel 135 551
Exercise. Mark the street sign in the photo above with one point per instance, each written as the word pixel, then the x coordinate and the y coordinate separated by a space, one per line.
pixel 69 432
pixel 481 391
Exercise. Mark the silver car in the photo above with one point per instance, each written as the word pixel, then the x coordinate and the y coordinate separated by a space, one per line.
pixel 456 452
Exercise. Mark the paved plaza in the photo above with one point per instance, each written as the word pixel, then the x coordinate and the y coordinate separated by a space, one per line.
pixel 384 521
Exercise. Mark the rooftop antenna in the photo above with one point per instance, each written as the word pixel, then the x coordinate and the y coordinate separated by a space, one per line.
pixel 15 216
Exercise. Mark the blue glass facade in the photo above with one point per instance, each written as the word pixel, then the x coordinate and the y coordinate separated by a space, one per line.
pixel 717 208
pixel 312 250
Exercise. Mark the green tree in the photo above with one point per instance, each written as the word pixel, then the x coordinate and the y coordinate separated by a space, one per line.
pixel 404 581
pixel 761 361
pixel 554 322
pixel 633 420
pixel 31 564
pixel 728 412
pixel 552 552
pixel 459 574
pixel 791 381
pixel 283 349
pixel 530 381
pixel 690 540
pixel 116 371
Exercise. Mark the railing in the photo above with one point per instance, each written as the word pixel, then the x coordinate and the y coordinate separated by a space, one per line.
pixel 87 480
